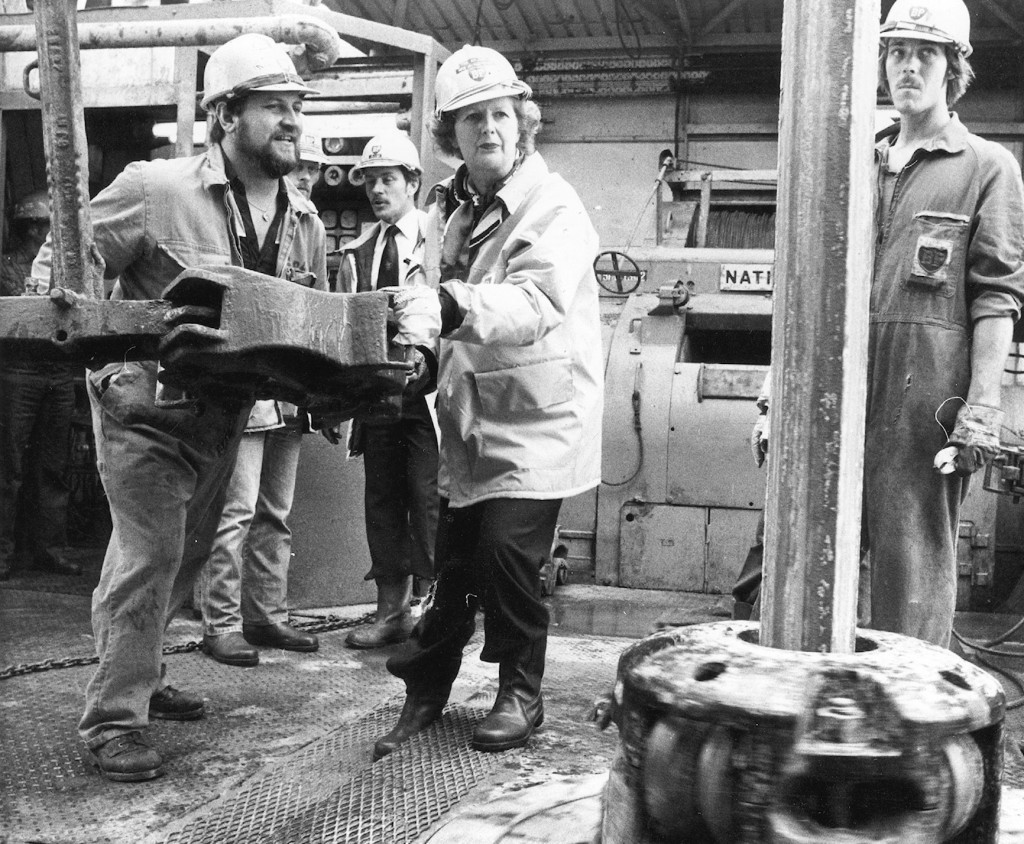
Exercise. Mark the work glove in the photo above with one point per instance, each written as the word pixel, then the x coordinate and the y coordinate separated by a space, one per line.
pixel 974 441
pixel 420 378
pixel 759 440
pixel 416 314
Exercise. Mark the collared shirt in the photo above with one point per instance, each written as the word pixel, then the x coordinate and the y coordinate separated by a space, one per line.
pixel 406 239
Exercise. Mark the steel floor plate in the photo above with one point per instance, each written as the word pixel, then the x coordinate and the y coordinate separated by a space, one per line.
pixel 283 753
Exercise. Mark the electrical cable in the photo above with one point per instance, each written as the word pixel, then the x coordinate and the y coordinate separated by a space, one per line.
pixel 987 648
pixel 619 8
pixel 636 427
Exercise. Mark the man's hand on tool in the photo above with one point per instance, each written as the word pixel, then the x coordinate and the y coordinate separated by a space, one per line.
pixel 974 441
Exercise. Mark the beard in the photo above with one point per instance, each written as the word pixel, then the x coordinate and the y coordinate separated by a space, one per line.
pixel 274 164
pixel 267 156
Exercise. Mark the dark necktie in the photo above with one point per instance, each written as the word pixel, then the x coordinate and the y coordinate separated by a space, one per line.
pixel 387 275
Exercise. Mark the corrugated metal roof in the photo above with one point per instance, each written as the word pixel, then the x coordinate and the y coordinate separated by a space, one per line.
pixel 634 27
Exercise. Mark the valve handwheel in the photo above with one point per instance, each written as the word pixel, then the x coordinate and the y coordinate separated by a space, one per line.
pixel 617 273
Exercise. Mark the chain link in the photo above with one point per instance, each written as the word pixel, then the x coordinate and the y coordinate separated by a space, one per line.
pixel 319 624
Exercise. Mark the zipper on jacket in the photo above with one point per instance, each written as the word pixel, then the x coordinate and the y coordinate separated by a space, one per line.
pixel 883 232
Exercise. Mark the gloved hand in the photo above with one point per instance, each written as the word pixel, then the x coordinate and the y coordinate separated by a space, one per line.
pixel 974 441
pixel 332 433
pixel 419 379
pixel 758 440
pixel 416 313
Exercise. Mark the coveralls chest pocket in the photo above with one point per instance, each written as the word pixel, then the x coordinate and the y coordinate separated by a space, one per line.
pixel 935 265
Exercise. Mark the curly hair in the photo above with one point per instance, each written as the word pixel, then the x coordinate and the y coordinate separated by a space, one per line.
pixel 959 73
pixel 442 128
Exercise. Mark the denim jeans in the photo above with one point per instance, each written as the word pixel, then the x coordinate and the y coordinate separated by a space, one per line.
pixel 164 472
pixel 36 404
pixel 246 576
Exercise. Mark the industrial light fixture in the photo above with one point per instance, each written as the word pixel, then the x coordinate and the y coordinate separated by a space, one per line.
pixel 334 146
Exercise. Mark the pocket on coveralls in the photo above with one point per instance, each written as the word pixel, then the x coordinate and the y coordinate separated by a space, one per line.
pixel 938 242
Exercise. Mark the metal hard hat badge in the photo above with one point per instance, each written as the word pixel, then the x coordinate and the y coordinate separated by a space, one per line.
pixel 476 68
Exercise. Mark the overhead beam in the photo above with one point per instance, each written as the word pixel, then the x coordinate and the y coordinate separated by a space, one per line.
pixel 727 11
pixel 1008 19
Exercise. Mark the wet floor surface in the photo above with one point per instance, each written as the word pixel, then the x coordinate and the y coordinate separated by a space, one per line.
pixel 284 751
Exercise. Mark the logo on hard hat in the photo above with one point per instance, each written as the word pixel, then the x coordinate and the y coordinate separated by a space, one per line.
pixel 375 152
pixel 477 68
pixel 917 12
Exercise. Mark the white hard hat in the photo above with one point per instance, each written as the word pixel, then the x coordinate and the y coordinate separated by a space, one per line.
pixel 942 21
pixel 310 149
pixel 392 149
pixel 473 74
pixel 33 206
pixel 251 62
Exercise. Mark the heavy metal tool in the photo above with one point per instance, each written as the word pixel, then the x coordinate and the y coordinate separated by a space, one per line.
pixel 220 332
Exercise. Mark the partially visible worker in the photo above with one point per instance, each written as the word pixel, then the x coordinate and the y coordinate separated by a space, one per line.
pixel 947 288
pixel 399 455
pixel 311 160
pixel 37 401
pixel 243 588
pixel 747 589
pixel 164 469
pixel 519 402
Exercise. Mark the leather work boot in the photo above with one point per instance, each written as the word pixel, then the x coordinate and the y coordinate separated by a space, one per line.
pixel 394 620
pixel 280 635
pixel 519 707
pixel 418 713
pixel 231 649
pixel 171 704
pixel 128 758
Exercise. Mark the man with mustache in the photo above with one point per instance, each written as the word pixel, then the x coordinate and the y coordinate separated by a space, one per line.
pixel 164 463
pixel 400 455
pixel 947 288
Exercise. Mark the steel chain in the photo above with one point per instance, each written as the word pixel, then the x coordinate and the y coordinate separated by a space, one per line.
pixel 320 624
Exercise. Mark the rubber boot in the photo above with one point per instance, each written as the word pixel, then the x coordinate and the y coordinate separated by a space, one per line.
pixel 394 619
pixel 519 707
pixel 420 710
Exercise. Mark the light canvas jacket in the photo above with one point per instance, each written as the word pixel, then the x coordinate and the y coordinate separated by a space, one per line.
pixel 520 381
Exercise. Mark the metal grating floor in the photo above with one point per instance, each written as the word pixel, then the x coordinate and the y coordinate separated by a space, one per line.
pixel 283 754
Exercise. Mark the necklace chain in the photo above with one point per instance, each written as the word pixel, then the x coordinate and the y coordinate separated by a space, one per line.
pixel 264 212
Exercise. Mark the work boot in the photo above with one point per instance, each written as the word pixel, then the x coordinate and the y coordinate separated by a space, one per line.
pixel 128 758
pixel 280 635
pixel 231 649
pixel 394 619
pixel 171 704
pixel 519 707
pixel 418 712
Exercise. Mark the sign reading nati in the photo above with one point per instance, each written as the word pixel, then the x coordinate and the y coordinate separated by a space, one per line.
pixel 745 277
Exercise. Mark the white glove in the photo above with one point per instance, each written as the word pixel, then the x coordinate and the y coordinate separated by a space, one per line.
pixel 416 313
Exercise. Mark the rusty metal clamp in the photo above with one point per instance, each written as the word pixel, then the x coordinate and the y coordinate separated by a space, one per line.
pixel 237 335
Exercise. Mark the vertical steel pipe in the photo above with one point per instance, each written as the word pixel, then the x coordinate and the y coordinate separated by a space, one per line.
pixel 75 262
pixel 820 324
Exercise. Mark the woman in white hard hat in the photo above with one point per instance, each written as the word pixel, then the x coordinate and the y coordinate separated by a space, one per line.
pixel 511 249
pixel 947 288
